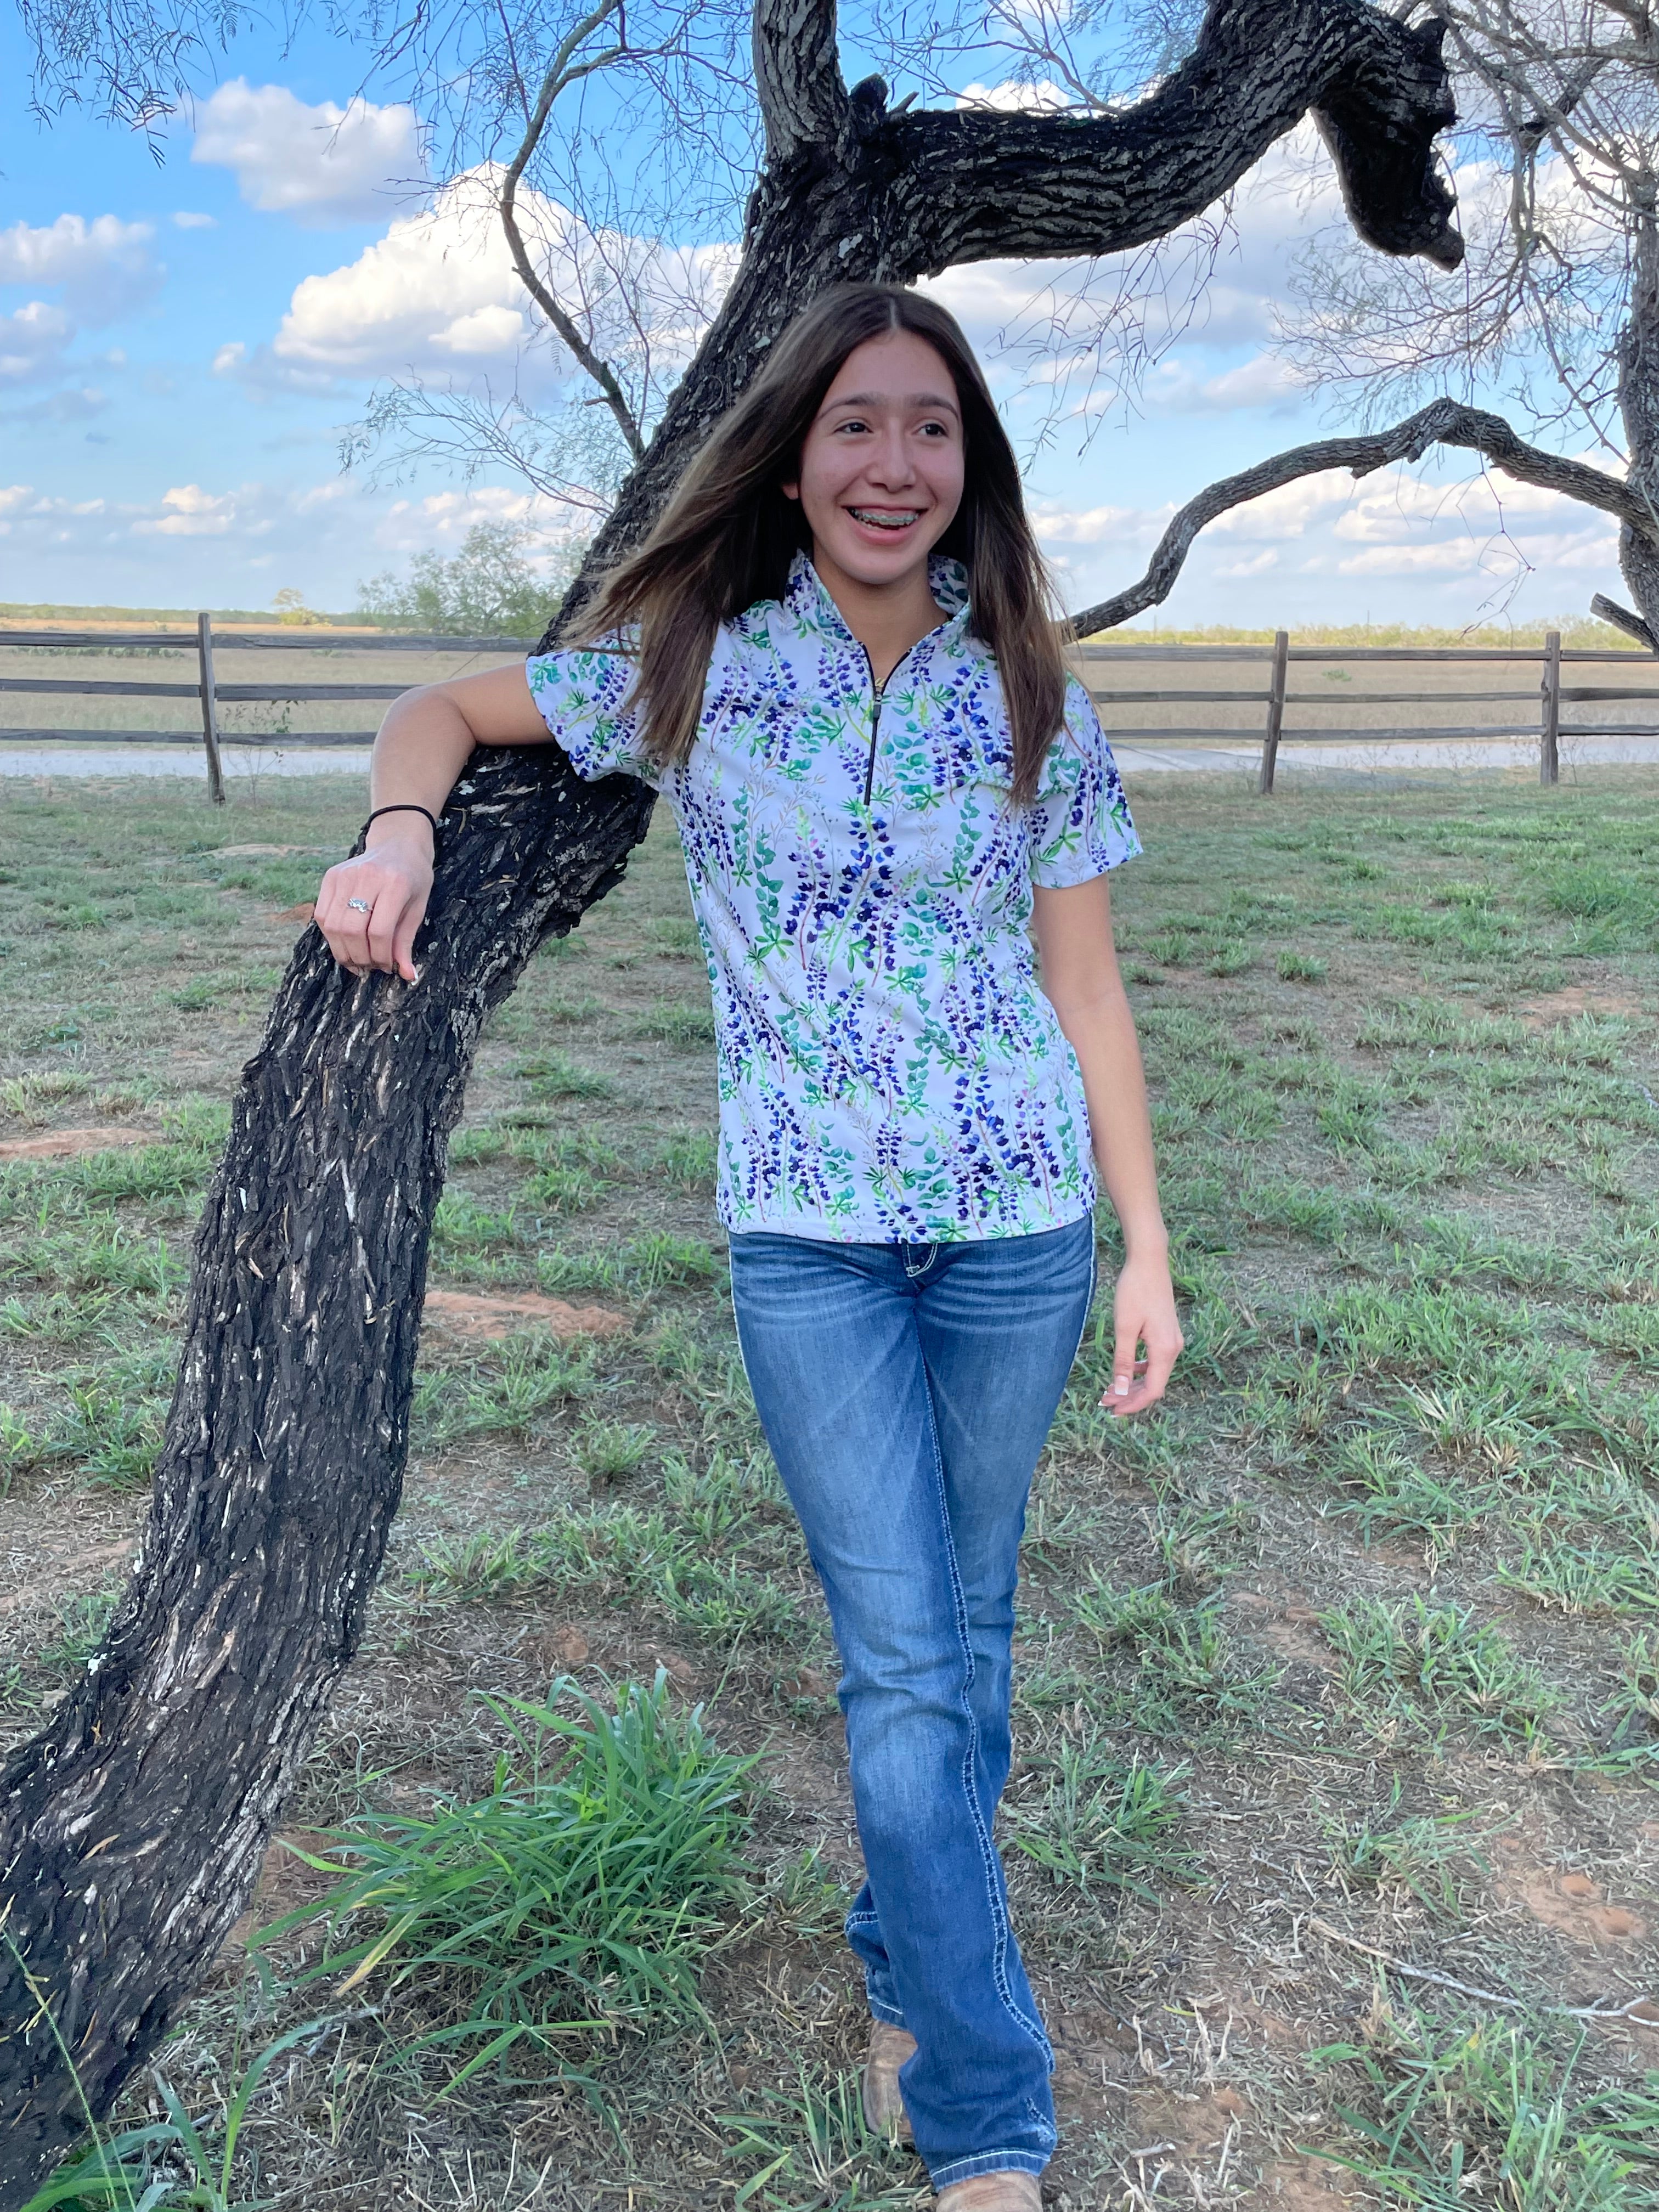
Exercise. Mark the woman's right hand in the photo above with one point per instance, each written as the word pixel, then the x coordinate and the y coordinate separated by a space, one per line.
pixel 370 907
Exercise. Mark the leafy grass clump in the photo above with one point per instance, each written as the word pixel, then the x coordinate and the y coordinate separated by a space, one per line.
pixel 1477 2112
pixel 1419 1660
pixel 555 1075
pixel 580 1893
pixel 1105 1822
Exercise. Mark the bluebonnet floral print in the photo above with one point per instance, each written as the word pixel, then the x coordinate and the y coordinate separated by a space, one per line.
pixel 889 1070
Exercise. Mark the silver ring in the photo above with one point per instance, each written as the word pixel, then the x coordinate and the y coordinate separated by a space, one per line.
pixel 359 906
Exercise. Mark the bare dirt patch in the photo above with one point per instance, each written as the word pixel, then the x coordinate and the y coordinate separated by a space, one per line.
pixel 1576 1907
pixel 263 851
pixel 70 1144
pixel 304 911
pixel 285 1882
pixel 1290 1627
pixel 34 1587
pixel 1302 2184
pixel 483 1319
pixel 1571 1003
pixel 558 1649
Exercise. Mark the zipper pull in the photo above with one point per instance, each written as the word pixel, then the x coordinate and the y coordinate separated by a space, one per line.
pixel 875 727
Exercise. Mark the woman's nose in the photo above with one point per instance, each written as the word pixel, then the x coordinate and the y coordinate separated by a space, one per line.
pixel 892 463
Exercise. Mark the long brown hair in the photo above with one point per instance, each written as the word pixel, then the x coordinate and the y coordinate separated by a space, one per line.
pixel 729 534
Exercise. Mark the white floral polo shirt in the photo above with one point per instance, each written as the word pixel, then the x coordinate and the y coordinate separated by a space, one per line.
pixel 889 1070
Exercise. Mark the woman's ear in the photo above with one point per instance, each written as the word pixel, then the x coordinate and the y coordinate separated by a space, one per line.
pixel 791 490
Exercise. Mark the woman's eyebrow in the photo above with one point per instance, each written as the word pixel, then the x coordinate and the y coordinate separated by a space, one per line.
pixel 880 399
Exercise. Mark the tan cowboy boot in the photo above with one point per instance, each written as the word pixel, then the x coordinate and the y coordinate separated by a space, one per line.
pixel 992 2192
pixel 884 2107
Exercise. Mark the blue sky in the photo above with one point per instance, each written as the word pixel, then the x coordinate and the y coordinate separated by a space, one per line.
pixel 181 343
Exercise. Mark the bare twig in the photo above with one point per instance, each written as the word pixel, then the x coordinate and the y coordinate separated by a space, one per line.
pixel 1415 1973
pixel 1468 1988
pixel 564 70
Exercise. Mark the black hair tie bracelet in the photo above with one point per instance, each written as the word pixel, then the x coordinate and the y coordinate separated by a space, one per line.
pixel 403 806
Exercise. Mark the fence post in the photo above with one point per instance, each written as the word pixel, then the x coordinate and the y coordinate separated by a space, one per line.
pixel 209 709
pixel 1549 746
pixel 1275 709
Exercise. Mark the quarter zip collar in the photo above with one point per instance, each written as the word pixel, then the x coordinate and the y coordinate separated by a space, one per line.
pixel 808 600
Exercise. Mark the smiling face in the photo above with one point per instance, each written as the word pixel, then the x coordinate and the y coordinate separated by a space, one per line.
pixel 881 467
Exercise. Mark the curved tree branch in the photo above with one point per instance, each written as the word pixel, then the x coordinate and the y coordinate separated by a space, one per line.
pixel 906 195
pixel 563 71
pixel 979 186
pixel 1443 422
pixel 802 100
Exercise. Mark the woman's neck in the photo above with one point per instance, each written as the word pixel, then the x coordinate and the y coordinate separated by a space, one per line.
pixel 887 619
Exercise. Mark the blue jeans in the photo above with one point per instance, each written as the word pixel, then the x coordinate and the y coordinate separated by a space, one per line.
pixel 906 1391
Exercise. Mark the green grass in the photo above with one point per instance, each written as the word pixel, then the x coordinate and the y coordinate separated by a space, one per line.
pixel 1449 2113
pixel 1357 1631
pixel 1104 1823
pixel 807 2145
pixel 581 1894
pixel 508 1392
pixel 676 1023
pixel 1418 1660
pixel 1427 1855
pixel 555 1075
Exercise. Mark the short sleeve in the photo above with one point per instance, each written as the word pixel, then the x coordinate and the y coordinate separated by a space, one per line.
pixel 1080 819
pixel 584 698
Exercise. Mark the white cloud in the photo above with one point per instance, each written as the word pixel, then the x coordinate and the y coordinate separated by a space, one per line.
pixel 1397 508
pixel 1069 334
pixel 185 219
pixel 44 517
pixel 411 300
pixel 1092 526
pixel 187 511
pixel 438 295
pixel 1488 553
pixel 1261 381
pixel 102 269
pixel 485 332
pixel 1043 98
pixel 1290 511
pixel 255 521
pixel 32 343
pixel 444 517
pixel 99 270
pixel 1405 544
pixel 75 404
pixel 323 164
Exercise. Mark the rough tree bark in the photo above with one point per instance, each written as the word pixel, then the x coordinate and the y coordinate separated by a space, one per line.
pixel 132 1827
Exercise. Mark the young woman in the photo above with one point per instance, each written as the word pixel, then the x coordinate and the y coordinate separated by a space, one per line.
pixel 836 660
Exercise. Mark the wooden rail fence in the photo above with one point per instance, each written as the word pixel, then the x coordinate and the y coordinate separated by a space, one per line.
pixel 211 693
pixel 1547 701
pixel 1268 729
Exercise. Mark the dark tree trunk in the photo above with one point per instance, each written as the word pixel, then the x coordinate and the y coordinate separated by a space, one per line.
pixel 132 1827
pixel 1638 404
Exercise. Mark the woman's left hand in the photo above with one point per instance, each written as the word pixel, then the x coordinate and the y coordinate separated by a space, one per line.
pixel 1148 1336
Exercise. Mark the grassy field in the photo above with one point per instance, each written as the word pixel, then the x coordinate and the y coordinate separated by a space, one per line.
pixel 1333 1832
